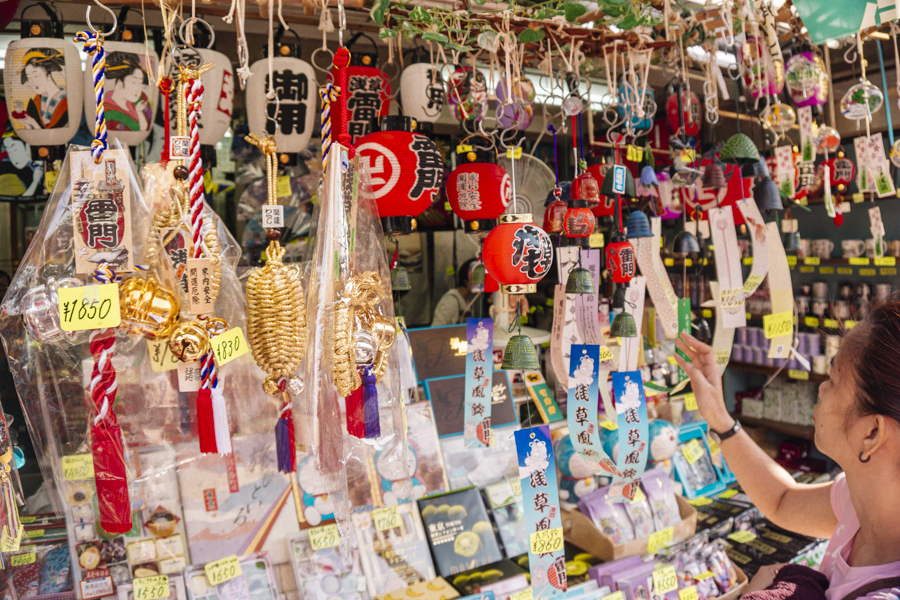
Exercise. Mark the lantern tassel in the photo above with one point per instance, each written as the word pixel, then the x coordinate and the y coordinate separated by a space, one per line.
pixel 220 419
pixel 370 403
pixel 356 419
pixel 206 422
pixel 108 453
pixel 284 440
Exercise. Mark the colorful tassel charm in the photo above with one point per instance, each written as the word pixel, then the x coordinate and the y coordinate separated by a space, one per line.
pixel 284 440
pixel 356 419
pixel 370 403
pixel 206 430
pixel 108 452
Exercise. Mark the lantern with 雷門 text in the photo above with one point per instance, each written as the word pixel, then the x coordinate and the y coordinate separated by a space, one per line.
pixel 479 189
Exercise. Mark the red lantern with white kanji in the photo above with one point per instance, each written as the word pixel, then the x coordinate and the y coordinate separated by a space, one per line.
pixel 554 216
pixel 579 222
pixel 406 170
pixel 841 170
pixel 479 190
pixel 518 254
pixel 606 207
pixel 692 111
pixel 620 259
pixel 368 99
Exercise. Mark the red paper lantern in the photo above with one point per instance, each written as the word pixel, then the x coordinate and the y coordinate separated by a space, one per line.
pixel 369 97
pixel 579 222
pixel 691 109
pixel 585 187
pixel 490 284
pixel 620 259
pixel 407 171
pixel 606 207
pixel 479 192
pixel 554 216
pixel 518 254
pixel 841 170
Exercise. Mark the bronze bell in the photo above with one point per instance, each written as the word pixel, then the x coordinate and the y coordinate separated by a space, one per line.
pixel 520 354
pixel 148 309
pixel 189 341
pixel 714 177
pixel 400 279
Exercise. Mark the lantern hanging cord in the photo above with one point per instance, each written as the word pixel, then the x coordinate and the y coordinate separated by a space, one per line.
pixel 341 62
pixel 555 157
pixel 93 45
pixel 165 88
pixel 581 162
pixel 103 384
pixel 270 152
pixel 328 95
pixel 575 143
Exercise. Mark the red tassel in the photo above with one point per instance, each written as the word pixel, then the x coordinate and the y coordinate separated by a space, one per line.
pixel 356 420
pixel 109 475
pixel 206 424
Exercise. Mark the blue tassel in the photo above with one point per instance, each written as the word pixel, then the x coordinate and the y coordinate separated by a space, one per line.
pixel 370 404
pixel 284 445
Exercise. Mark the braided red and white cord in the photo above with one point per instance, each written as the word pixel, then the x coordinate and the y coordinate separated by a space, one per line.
pixel 194 97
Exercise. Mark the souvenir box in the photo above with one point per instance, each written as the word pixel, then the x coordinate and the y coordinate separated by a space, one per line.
pixel 581 531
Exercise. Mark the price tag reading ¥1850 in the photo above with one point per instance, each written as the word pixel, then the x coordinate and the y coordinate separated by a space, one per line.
pixel 659 540
pixel 665 580
pixel 229 346
pixel 778 324
pixel 326 536
pixel 688 593
pixel 385 518
pixel 89 307
pixel 78 466
pixel 151 588
pixel 692 451
pixel 547 541
pixel 222 570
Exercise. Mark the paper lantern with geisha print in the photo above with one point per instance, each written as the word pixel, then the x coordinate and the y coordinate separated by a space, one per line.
pixel 44 89
pixel 130 95
pixel 422 92
pixel 295 85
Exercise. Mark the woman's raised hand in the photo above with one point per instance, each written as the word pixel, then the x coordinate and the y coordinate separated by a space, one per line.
pixel 705 380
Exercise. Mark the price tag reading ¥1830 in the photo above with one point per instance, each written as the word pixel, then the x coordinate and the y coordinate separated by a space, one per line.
pixel 222 570
pixel 78 466
pixel 151 588
pixel 326 536
pixel 778 324
pixel 229 346
pixel 688 593
pixel 659 540
pixel 547 541
pixel 89 307
pixel 692 451
pixel 386 517
pixel 665 580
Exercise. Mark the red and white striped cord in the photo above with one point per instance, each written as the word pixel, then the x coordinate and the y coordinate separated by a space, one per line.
pixel 194 97
pixel 103 384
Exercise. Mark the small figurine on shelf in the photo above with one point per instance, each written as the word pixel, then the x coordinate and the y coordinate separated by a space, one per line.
pixel 576 478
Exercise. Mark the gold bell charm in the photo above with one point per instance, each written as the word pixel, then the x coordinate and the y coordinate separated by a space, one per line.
pixel 148 309
pixel 189 341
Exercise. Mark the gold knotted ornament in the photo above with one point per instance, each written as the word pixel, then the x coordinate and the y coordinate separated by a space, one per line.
pixel 353 313
pixel 276 310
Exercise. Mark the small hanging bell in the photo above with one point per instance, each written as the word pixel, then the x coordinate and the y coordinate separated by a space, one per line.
pixel 520 355
pixel 756 170
pixel 739 150
pixel 792 242
pixel 400 280
pixel 638 225
pixel 703 333
pixel 478 274
pixel 580 281
pixel 714 177
pixel 685 243
pixel 623 326
pixel 767 195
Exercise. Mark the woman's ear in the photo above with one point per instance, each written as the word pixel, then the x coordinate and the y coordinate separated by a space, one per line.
pixel 875 435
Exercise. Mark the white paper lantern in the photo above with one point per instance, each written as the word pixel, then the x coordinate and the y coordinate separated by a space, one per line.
pixel 44 88
pixel 130 97
pixel 296 89
pixel 218 97
pixel 422 92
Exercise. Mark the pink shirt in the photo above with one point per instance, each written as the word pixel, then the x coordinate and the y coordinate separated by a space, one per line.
pixel 844 578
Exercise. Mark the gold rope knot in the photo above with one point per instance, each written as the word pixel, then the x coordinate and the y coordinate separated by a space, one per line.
pixel 186 75
pixel 266 145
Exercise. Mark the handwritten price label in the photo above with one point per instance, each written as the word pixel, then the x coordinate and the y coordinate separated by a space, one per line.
pixel 605 354
pixel 463 148
pixel 849 324
pixel 845 271
pixel 222 570
pixel 11 543
pixel 688 593
pixel 747 260
pixel 608 425
pixel 707 313
pixel 867 272
pixel 614 596
pixel 547 541
pixel 516 484
pixel 669 262
pixel 752 283
pixel 283 186
pixel 728 494
pixel 826 270
pixel 798 374
pixel 229 346
pixel 778 324
pixel 692 451
pixel 639 496
pixel 596 240
pixel 526 594
pixel 21 560
pixel 514 152
pixel 885 261
pixel 699 501
pixel 89 307
pixel 659 540
pixel 830 323
pixel 78 466
pixel 812 261
pixel 792 261
pixel 385 518
pixel 151 588
pixel 704 575
pixel 161 357
pixel 665 580
pixel 859 261
pixel 741 537
pixel 811 322
pixel 326 536
pixel 34 533
pixel 713 446
pixel 690 402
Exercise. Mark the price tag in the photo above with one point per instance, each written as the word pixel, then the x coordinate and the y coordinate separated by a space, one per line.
pixel 791 261
pixel 887 271
pixel 273 215
pixel 639 496
pixel 688 262
pixel 830 323
pixel 798 374
pixel 690 402
pixel 463 148
pixel 326 536
pixel 222 570
pixel 78 466
pixel 713 446
pixel 608 425
pixel 20 560
pixel 811 321
pixel 282 188
pixel 34 533
pixel 849 324
pixel 826 270
pixel 741 537
pixel 669 262
pixel 811 260
pixel 161 357
pixel 688 593
pixel 596 240
pixel 634 154
pixel 858 197
pixel 699 501
pixel 526 594
pixel 778 324
pixel 807 269
pixel 707 313
pixel 516 484
pixel 845 271
pixel 151 588
pixel 665 580
pixel 514 152
pixel 867 272
pixel 728 494
pixel 28 520
pixel 547 541
pixel 50 178
pixel 692 451
pixel 660 539
pixel 747 260
pixel 229 346
pixel 89 307
pixel 386 517
pixel 885 261
pixel 11 544
pixel 614 596
pixel 704 575
pixel 858 261
pixel 752 283
pixel 500 494
pixel 605 354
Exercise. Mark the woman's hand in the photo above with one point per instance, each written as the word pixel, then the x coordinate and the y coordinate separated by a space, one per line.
pixel 764 578
pixel 705 380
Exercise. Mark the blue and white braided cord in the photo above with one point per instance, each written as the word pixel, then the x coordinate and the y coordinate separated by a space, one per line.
pixel 93 45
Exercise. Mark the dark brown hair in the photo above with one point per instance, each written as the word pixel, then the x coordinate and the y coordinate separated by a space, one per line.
pixel 874 351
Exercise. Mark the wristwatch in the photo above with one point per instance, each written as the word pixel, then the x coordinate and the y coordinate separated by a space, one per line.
pixel 727 433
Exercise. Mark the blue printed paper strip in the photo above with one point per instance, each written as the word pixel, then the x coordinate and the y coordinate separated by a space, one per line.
pixel 540 495
pixel 631 409
pixel 479 370
pixel 582 408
